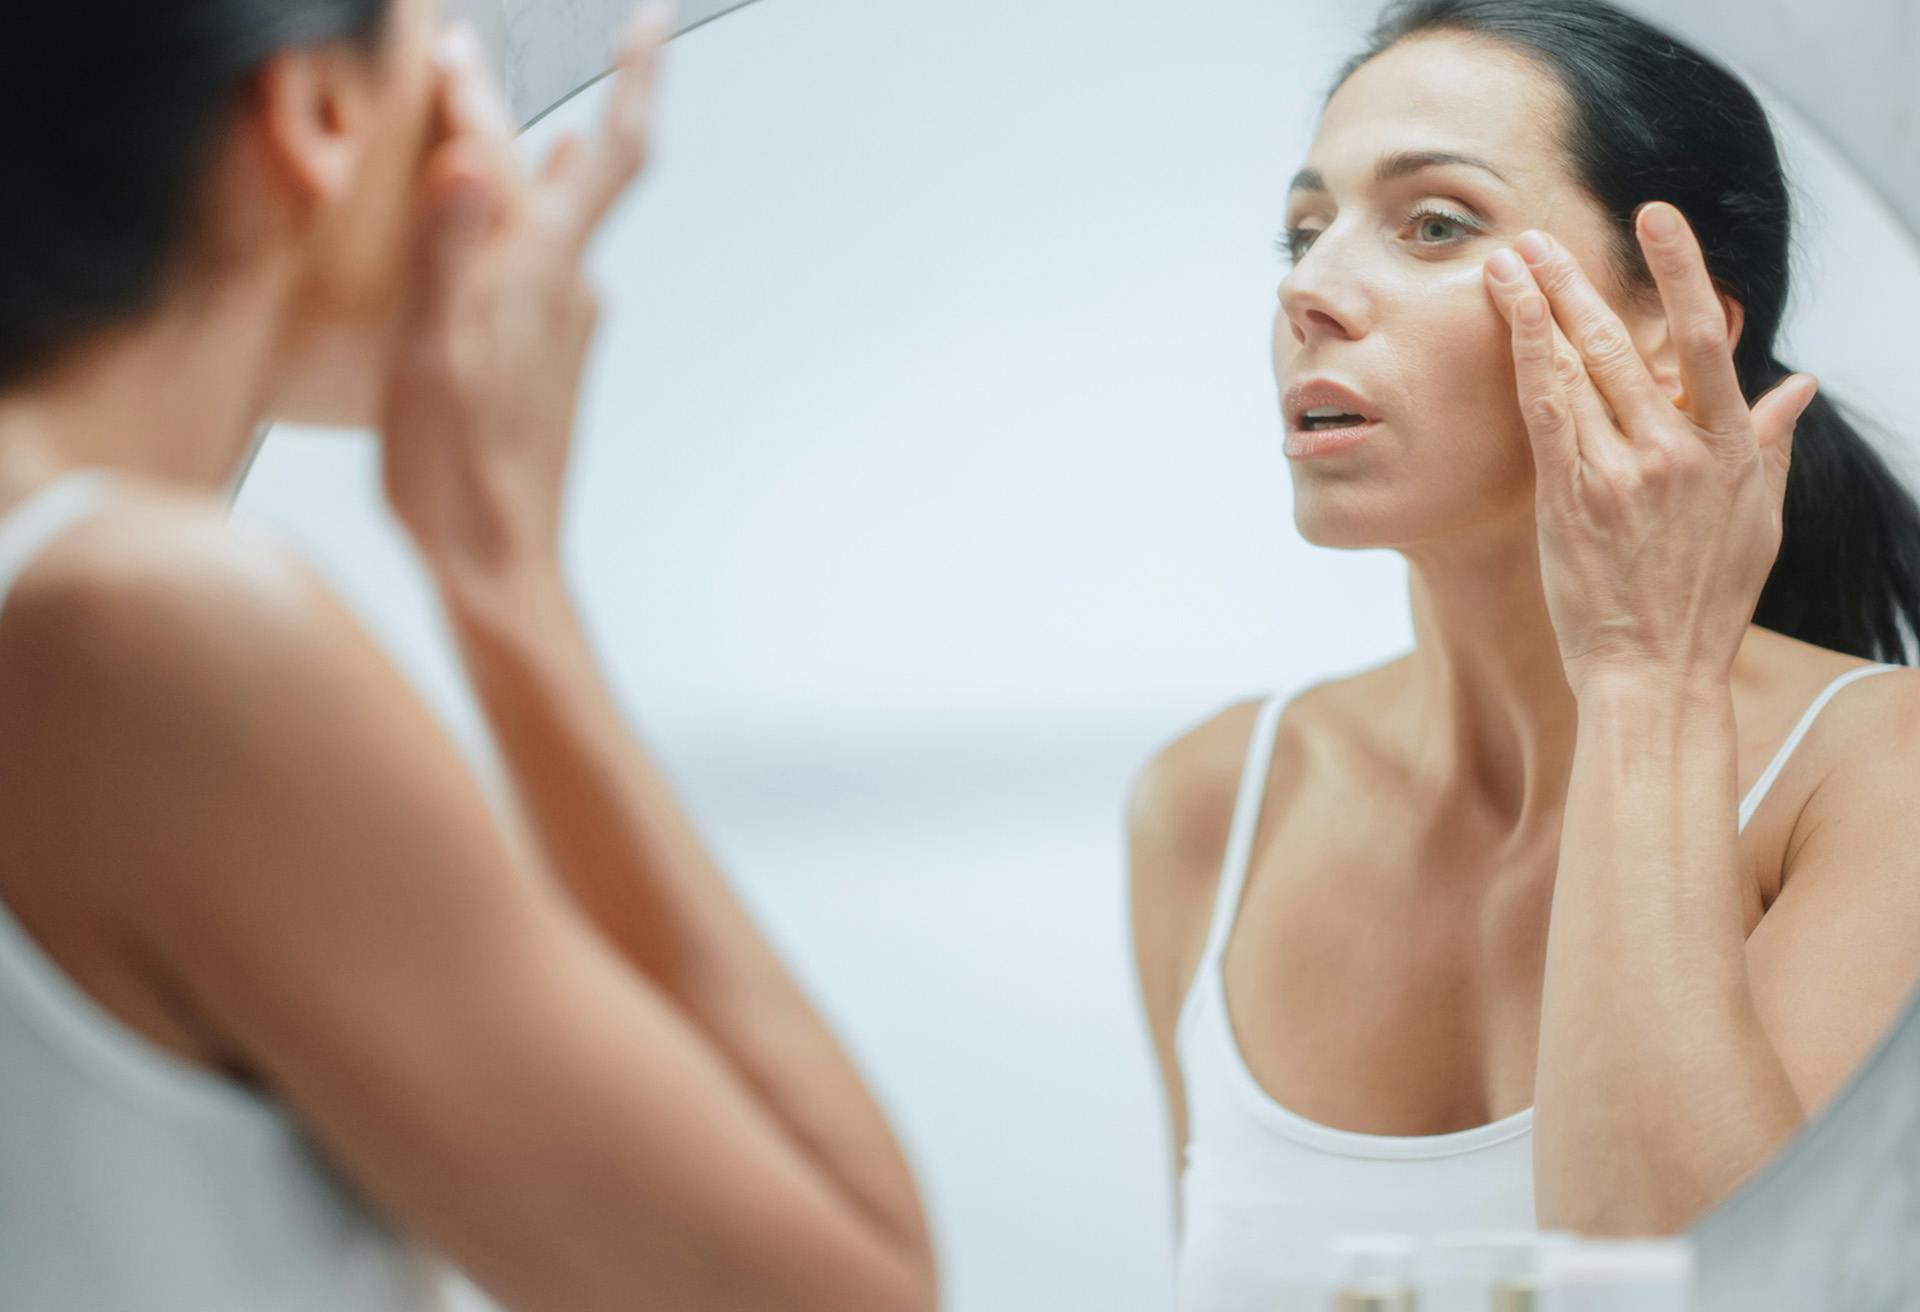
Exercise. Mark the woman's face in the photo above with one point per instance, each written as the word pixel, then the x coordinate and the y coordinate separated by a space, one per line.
pixel 1388 298
pixel 339 326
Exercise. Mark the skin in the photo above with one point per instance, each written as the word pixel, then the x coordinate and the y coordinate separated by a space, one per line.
pixel 1502 871
pixel 551 1045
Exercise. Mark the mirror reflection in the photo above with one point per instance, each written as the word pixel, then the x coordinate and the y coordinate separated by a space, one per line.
pixel 1240 662
pixel 907 656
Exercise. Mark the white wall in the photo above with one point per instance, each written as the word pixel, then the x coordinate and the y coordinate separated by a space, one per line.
pixel 929 477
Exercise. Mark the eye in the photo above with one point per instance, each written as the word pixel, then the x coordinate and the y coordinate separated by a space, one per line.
pixel 1292 243
pixel 1433 227
pixel 1438 227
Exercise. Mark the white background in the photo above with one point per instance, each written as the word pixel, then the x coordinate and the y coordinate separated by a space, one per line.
pixel 928 480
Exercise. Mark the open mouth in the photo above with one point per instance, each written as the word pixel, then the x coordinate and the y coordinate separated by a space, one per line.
pixel 1328 417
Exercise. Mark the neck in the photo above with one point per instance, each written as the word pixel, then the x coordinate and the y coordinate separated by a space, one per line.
pixel 177 397
pixel 1489 712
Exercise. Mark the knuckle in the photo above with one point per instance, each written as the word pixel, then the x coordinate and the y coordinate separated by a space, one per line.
pixel 1545 412
pixel 1658 464
pixel 1666 462
pixel 1536 350
pixel 1605 345
pixel 1558 275
pixel 1704 335
pixel 1567 367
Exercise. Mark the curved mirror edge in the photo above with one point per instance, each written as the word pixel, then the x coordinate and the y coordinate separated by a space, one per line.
pixel 551 50
pixel 1827 1221
pixel 1830 1221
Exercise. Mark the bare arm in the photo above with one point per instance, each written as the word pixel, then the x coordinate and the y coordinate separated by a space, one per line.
pixel 475 433
pixel 318 876
pixel 1676 1054
pixel 1662 1080
pixel 625 850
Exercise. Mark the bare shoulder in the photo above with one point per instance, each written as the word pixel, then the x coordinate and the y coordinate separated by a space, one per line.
pixel 1182 801
pixel 157 663
pixel 1867 735
pixel 1182 798
pixel 155 577
pixel 1179 814
pixel 1866 746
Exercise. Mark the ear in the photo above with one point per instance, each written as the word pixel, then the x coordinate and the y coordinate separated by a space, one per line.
pixel 312 114
pixel 1654 337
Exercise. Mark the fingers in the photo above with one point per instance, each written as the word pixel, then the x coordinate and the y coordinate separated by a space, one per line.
pixel 1774 418
pixel 1602 341
pixel 1543 399
pixel 473 115
pixel 1696 319
pixel 449 274
pixel 584 187
pixel 1556 398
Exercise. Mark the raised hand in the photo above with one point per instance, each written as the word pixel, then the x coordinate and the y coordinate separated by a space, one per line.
pixel 480 402
pixel 1659 518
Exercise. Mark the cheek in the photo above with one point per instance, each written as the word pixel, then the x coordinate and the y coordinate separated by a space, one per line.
pixel 1463 349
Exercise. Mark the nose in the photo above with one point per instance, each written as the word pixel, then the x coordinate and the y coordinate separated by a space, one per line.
pixel 1321 296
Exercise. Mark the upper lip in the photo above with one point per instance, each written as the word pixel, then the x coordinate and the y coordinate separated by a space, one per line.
pixel 1316 393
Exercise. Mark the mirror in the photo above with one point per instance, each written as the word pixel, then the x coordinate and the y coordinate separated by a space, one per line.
pixel 929 480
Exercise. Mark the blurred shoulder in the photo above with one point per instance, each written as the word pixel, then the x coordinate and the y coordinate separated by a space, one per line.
pixel 160 595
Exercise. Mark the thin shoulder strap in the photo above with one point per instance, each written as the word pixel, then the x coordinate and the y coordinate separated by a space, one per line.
pixel 1758 793
pixel 1246 819
pixel 30 526
pixel 1233 867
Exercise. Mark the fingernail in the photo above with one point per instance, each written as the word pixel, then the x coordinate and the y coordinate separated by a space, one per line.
pixel 458 44
pixel 1506 266
pixel 1662 225
pixel 1533 244
pixel 657 14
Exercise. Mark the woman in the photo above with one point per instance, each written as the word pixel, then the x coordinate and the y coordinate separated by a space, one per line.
pixel 281 1007
pixel 1571 916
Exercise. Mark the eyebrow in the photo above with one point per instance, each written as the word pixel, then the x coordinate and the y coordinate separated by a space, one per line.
pixel 1399 165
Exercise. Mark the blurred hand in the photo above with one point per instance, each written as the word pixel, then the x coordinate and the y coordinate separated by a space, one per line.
pixel 479 405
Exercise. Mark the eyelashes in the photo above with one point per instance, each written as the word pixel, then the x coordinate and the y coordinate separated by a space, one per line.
pixel 1294 242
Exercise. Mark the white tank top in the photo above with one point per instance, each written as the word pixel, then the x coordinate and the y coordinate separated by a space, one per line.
pixel 1264 1191
pixel 134 1181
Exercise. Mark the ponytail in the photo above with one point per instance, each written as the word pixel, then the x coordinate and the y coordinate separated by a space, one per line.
pixel 1848 574
pixel 1651 118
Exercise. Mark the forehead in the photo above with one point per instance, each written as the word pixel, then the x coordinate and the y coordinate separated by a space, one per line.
pixel 1445 92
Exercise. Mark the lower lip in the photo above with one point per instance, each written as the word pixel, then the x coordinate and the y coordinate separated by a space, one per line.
pixel 1306 443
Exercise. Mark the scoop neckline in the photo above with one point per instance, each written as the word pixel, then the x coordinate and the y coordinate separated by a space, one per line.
pixel 1351 1143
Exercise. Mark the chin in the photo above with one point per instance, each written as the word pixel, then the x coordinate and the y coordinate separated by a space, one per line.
pixel 1351 518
